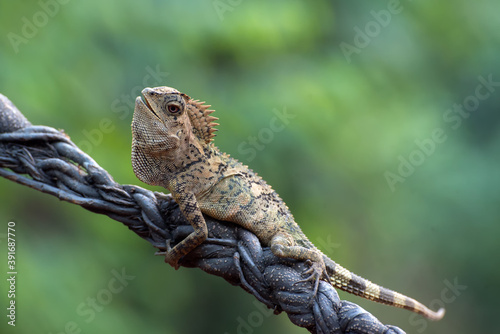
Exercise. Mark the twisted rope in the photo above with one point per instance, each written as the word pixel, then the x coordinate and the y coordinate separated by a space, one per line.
pixel 45 159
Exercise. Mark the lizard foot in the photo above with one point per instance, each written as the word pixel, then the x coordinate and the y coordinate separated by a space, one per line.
pixel 170 258
pixel 315 272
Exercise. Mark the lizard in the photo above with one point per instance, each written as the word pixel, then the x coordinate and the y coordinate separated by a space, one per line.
pixel 172 147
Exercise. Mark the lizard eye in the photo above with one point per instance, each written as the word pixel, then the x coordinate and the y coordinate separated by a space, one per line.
pixel 174 108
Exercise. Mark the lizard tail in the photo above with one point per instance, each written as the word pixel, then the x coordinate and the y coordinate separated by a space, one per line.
pixel 345 280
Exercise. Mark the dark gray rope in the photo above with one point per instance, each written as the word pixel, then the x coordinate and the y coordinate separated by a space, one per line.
pixel 45 159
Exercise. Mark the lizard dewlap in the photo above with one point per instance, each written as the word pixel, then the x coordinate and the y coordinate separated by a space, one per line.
pixel 172 147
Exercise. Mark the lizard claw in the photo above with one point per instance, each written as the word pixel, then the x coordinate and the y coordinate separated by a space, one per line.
pixel 314 273
pixel 169 258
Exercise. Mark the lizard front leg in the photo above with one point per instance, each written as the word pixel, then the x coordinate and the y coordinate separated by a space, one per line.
pixel 191 211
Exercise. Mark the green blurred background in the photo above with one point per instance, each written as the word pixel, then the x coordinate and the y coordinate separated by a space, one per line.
pixel 366 86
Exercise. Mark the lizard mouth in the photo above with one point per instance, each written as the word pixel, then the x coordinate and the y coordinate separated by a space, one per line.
pixel 145 103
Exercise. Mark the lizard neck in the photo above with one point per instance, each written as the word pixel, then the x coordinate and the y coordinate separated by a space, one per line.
pixel 197 168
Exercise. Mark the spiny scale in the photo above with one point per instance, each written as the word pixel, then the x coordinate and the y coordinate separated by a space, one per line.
pixel 201 120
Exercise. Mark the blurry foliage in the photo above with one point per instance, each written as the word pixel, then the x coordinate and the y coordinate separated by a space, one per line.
pixel 352 119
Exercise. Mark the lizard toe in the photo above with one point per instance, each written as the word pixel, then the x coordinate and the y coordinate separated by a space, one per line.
pixel 170 255
pixel 313 274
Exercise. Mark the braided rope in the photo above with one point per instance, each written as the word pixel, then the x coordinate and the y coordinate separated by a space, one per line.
pixel 45 159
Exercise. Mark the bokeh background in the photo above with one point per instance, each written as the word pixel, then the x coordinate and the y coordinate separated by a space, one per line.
pixel 380 169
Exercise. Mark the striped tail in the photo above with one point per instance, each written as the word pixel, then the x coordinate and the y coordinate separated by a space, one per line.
pixel 345 280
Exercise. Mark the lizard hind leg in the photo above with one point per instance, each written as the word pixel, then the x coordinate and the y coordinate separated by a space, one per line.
pixel 283 245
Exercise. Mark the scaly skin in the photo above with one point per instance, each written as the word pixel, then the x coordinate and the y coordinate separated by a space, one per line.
pixel 172 147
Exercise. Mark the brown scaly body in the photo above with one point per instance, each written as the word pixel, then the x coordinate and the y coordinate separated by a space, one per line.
pixel 172 147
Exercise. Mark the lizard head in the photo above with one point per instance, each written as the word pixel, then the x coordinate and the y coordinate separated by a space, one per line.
pixel 168 130
pixel 160 112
